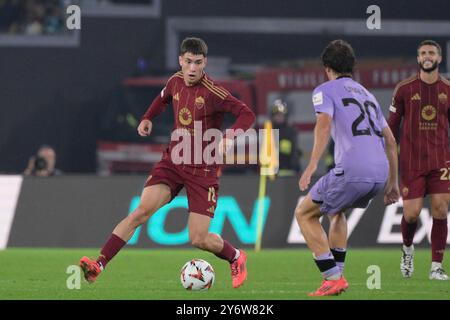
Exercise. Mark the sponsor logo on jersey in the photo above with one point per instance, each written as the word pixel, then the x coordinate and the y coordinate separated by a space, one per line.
pixel 318 98
pixel 176 97
pixel 428 112
pixel 185 116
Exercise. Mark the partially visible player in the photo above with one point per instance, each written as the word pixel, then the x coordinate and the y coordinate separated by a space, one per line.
pixel 196 99
pixel 422 101
pixel 365 157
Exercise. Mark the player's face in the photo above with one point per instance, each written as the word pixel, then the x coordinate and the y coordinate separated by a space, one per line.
pixel 192 66
pixel 428 58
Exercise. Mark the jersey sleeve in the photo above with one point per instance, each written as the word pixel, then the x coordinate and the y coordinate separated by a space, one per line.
pixel 381 120
pixel 244 115
pixel 322 101
pixel 160 103
pixel 396 110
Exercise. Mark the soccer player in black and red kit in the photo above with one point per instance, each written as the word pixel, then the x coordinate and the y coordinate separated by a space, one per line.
pixel 197 100
pixel 422 101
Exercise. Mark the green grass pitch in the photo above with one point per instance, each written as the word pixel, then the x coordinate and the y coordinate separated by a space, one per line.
pixel 155 275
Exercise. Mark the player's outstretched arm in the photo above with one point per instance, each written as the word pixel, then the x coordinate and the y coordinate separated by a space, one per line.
pixel 158 105
pixel 145 128
pixel 245 118
pixel 321 137
pixel 391 192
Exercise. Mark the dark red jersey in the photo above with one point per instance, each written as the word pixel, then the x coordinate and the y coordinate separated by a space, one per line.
pixel 424 133
pixel 199 107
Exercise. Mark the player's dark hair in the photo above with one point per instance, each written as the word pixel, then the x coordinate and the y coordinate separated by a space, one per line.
pixel 430 43
pixel 339 56
pixel 195 46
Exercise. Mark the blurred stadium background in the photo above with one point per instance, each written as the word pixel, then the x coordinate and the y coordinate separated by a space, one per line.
pixel 83 92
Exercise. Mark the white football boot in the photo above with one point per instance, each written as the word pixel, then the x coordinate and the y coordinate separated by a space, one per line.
pixel 407 261
pixel 437 273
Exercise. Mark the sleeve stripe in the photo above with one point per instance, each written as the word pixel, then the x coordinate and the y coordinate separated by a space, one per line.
pixel 215 90
pixel 211 84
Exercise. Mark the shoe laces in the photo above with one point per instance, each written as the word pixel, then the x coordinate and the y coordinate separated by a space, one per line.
pixel 440 271
pixel 326 285
pixel 95 266
pixel 407 258
pixel 234 268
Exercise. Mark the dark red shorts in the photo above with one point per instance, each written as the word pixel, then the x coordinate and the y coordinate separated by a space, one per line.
pixel 202 187
pixel 417 184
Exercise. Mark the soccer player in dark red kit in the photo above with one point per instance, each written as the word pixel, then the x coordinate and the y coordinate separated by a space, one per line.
pixel 422 101
pixel 198 100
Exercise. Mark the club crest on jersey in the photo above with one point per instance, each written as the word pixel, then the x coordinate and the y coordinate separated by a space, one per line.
pixel 428 112
pixel 442 98
pixel 185 116
pixel 199 102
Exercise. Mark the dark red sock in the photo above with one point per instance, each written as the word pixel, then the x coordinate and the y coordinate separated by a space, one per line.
pixel 110 249
pixel 228 252
pixel 408 231
pixel 439 233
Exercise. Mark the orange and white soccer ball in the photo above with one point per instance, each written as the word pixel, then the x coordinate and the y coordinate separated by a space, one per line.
pixel 197 275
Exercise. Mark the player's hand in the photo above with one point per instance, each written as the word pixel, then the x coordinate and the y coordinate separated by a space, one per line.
pixel 305 179
pixel 391 193
pixel 145 128
pixel 225 145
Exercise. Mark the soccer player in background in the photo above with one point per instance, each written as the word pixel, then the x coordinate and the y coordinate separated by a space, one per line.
pixel 422 101
pixel 365 157
pixel 195 98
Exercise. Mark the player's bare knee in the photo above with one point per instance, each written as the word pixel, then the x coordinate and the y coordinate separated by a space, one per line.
pixel 412 213
pixel 134 220
pixel 303 216
pixel 140 215
pixel 439 209
pixel 148 208
pixel 411 217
